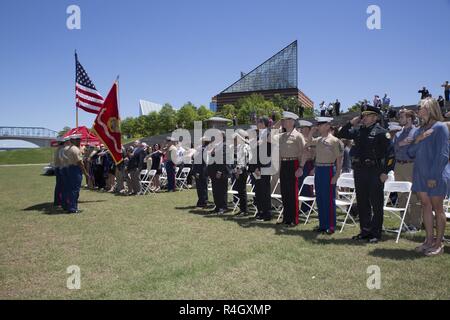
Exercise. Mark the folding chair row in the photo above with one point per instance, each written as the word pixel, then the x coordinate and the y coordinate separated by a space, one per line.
pixel 147 177
pixel 181 179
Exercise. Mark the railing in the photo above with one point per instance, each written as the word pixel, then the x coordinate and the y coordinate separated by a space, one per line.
pixel 27 132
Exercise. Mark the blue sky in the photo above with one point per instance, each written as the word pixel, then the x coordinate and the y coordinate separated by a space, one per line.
pixel 179 51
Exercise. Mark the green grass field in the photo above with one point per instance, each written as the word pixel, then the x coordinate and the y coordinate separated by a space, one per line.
pixel 159 247
pixel 26 156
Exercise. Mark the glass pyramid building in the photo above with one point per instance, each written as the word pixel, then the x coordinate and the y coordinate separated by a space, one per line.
pixel 278 72
pixel 277 75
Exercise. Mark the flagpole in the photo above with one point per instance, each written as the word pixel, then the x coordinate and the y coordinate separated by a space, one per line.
pixel 76 107
pixel 118 107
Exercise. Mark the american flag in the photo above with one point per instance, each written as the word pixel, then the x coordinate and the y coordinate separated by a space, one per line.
pixel 86 95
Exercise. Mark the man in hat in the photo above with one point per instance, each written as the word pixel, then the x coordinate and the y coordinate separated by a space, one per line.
pixel 291 147
pixel 262 147
pixel 75 171
pixel 200 174
pixel 372 159
pixel 57 162
pixel 328 166
pixel 65 181
pixel 172 159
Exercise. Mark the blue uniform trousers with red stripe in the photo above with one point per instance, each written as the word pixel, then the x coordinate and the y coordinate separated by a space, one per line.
pixel 326 197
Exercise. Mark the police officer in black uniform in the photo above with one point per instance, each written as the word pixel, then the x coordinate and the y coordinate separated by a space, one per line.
pixel 200 174
pixel 372 159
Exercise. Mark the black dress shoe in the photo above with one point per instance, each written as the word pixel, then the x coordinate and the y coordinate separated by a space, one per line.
pixel 75 211
pixel 360 237
pixel 318 229
pixel 373 240
pixel 329 232
pixel 290 225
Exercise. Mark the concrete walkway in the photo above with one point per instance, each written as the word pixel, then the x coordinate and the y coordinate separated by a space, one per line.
pixel 24 165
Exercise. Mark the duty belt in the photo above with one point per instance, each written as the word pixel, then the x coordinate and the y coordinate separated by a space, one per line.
pixel 289 159
pixel 367 163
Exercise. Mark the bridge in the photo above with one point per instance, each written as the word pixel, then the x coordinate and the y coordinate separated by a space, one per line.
pixel 39 136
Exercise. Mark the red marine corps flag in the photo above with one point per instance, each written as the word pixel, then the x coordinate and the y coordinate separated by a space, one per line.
pixel 107 124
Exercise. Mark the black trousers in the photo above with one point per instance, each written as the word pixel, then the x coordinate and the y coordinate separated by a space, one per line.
pixel 219 191
pixel 99 177
pixel 241 187
pixel 289 191
pixel 370 198
pixel 201 183
pixel 262 196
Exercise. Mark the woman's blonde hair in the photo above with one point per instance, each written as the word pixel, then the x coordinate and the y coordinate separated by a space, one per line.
pixel 434 111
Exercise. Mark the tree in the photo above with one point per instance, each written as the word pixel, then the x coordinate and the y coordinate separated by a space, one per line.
pixel 64 131
pixel 152 125
pixel 186 116
pixel 204 113
pixel 356 107
pixel 168 120
pixel 127 127
pixel 228 111
pixel 255 106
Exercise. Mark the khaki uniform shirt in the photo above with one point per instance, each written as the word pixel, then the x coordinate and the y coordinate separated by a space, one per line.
pixel 57 159
pixel 73 155
pixel 291 144
pixel 328 149
pixel 172 154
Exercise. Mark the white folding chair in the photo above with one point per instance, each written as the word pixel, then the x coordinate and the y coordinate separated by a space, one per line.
pixel 251 196
pixel 447 207
pixel 279 202
pixel 142 177
pixel 234 193
pixel 347 175
pixel 163 177
pixel 181 180
pixel 147 182
pixel 310 202
pixel 346 199
pixel 398 212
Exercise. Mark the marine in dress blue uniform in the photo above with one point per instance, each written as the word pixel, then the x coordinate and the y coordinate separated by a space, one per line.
pixel 328 166
pixel 75 170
